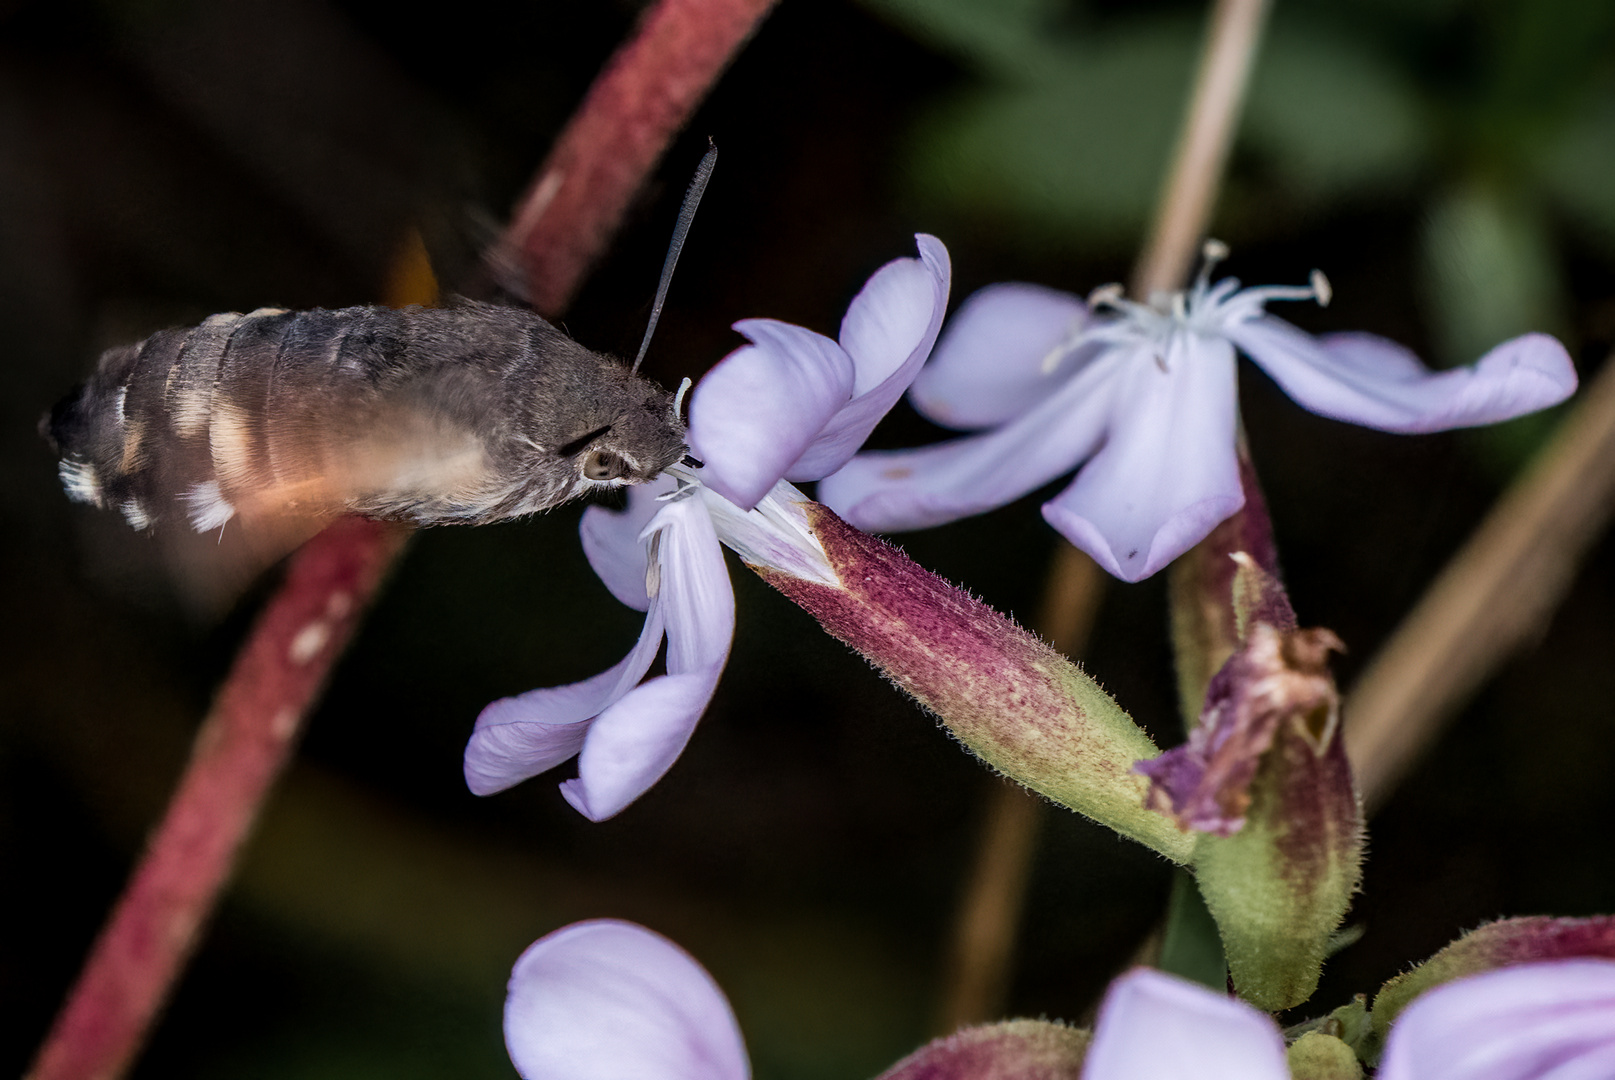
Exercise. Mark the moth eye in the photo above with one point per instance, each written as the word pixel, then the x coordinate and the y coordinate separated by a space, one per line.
pixel 604 465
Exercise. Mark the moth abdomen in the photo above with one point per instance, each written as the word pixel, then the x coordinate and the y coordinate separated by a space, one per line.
pixel 471 413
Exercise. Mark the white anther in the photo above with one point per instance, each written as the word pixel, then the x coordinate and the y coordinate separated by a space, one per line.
pixel 1321 288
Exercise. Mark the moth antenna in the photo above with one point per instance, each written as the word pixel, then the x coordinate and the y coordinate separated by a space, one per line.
pixel 692 199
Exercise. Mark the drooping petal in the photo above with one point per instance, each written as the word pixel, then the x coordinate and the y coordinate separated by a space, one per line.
pixel 634 742
pixel 1550 1021
pixel 888 331
pixel 517 738
pixel 1368 380
pixel 612 543
pixel 1167 474
pixel 1156 1027
pixel 759 409
pixel 991 363
pixel 892 490
pixel 609 1000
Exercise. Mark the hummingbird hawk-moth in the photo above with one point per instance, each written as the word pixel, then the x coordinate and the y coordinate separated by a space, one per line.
pixel 472 413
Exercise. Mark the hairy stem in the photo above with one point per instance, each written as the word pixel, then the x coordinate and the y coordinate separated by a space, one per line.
pixel 239 752
pixel 1074 588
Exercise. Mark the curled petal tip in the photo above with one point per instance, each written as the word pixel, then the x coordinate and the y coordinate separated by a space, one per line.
pixel 1368 380
pixel 888 332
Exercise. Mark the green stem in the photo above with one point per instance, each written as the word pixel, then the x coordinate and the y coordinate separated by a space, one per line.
pixel 1191 946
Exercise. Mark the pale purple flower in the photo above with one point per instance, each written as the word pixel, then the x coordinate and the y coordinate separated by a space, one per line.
pixel 791 405
pixel 1141 398
pixel 609 1000
pixel 1547 1021
pixel 1158 1027
pixel 605 999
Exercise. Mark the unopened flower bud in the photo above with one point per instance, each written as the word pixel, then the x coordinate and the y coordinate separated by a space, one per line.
pixel 1504 943
pixel 1264 781
pixel 1029 1049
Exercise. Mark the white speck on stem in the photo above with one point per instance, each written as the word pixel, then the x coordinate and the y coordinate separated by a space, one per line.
pixel 309 641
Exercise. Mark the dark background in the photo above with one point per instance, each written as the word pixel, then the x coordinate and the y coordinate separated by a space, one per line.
pixel 162 160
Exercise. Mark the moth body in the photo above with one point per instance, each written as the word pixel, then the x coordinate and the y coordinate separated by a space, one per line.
pixel 472 414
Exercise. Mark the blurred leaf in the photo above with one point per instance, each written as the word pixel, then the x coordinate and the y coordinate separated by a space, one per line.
pixel 1331 114
pixel 1077 155
pixel 1492 273
pixel 1579 170
pixel 1492 270
pixel 999 36
pixel 1191 946
pixel 1543 54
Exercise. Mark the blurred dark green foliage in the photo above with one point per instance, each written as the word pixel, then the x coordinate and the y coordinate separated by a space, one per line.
pixel 1499 117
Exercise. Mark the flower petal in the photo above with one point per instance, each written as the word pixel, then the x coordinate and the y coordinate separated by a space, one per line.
pixel 1167 474
pixel 990 364
pixel 613 545
pixel 634 742
pixel 762 405
pixel 1368 380
pixel 1156 1027
pixel 892 490
pixel 516 738
pixel 888 331
pixel 604 1000
pixel 1549 1021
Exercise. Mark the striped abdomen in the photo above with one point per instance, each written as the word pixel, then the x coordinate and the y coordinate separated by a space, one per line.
pixel 471 413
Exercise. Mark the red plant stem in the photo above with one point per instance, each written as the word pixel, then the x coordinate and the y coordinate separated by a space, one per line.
pixel 239 751
pixel 640 101
pixel 645 94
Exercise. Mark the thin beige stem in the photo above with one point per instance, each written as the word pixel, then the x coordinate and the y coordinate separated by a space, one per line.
pixel 982 944
pixel 1202 152
pixel 988 920
pixel 1494 596
pixel 983 936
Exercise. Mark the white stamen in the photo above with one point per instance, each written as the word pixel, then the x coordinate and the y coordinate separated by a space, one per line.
pixel 678 398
